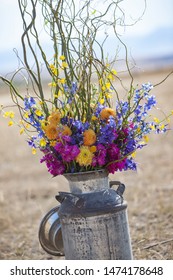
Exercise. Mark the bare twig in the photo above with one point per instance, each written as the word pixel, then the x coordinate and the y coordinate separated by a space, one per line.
pixel 158 243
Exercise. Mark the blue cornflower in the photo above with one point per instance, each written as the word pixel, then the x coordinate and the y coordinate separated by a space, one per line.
pixel 130 164
pixel 122 107
pixel 66 88
pixel 147 87
pixel 151 101
pixel 31 141
pixel 107 134
pixel 29 103
pixel 137 95
pixel 73 88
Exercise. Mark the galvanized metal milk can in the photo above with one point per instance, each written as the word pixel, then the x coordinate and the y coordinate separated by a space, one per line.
pixel 93 218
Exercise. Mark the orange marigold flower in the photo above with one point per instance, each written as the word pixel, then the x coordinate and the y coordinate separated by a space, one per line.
pixel 51 131
pixel 55 117
pixel 89 137
pixel 66 130
pixel 106 113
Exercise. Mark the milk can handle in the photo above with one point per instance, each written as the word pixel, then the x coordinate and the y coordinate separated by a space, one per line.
pixel 121 187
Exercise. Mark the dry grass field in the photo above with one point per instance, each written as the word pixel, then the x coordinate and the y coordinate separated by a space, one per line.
pixel 27 191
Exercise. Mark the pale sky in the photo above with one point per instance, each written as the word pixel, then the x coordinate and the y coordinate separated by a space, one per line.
pixel 159 13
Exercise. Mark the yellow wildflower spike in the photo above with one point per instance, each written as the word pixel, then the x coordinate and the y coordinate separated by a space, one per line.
pixel 152 127
pixel 108 95
pixel 42 142
pixel 156 120
pixel 133 154
pixel 9 114
pixel 34 151
pixel 26 115
pixel 38 113
pixel 62 81
pixel 62 57
pixel 162 126
pixel 21 131
pixel 27 125
pixel 51 66
pixel 10 123
pixel 102 101
pixel 53 84
pixel 64 64
pixel 114 72
pixel 107 85
pixel 146 138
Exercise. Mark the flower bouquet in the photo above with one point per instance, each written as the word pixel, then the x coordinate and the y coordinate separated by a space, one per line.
pixel 83 123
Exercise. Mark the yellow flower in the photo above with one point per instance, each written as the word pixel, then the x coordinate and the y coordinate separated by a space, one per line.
pixel 102 101
pixel 162 126
pixel 108 85
pixel 62 57
pixel 51 66
pixel 103 88
pixel 93 149
pixel 106 113
pixel 152 127
pixel 146 138
pixel 62 81
pixel 55 117
pixel 94 118
pixel 53 84
pixel 10 123
pixel 9 114
pixel 114 72
pixel 156 120
pixel 51 131
pixel 108 95
pixel 22 130
pixel 133 154
pixel 64 64
pixel 26 115
pixel 110 77
pixel 42 142
pixel 85 156
pixel 89 137
pixel 38 113
pixel 53 143
pixel 34 151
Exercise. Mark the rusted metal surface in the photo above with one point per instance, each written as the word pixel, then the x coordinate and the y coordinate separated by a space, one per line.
pixel 94 219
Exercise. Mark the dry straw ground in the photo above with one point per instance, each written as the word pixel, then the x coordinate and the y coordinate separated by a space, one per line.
pixel 27 191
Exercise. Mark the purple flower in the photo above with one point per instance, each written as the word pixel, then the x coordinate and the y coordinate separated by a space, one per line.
pixel 54 166
pixel 67 152
pixel 113 152
pixel 70 152
pixel 116 166
pixel 100 156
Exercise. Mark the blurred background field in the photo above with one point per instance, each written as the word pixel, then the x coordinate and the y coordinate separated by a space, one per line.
pixel 27 191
